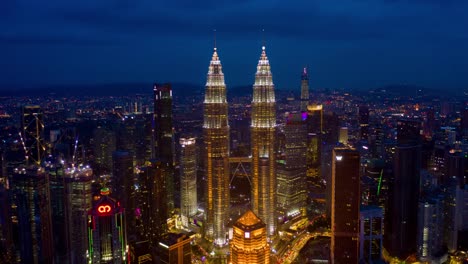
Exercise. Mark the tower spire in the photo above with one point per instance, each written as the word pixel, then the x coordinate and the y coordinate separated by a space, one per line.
pixel 263 39
pixel 214 38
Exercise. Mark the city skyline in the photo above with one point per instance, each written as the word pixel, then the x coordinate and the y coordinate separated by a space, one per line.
pixel 387 42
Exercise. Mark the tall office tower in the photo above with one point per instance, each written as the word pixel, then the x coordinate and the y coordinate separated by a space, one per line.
pixel 175 249
pixel 345 206
pixel 370 234
pixel 55 172
pixel 363 113
pixel 104 143
pixel 188 175
pixel 401 229
pixel 31 215
pixel 107 231
pixel 32 133
pixel 249 244
pixel 123 185
pixel 314 140
pixel 216 154
pixel 430 233
pixel 263 145
pixel 164 138
pixel 291 191
pixel 343 135
pixel 78 180
pixel 152 213
pixel 304 90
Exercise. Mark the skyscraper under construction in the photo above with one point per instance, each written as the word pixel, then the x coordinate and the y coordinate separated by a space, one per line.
pixel 216 154
pixel 263 145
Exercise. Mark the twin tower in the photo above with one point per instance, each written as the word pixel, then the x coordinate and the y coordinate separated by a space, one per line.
pixel 216 154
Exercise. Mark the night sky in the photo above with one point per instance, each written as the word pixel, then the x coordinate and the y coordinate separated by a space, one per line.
pixel 351 44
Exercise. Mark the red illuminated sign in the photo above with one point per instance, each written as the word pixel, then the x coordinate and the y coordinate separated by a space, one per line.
pixel 104 209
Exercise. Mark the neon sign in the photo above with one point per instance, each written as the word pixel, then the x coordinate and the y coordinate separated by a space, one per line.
pixel 104 209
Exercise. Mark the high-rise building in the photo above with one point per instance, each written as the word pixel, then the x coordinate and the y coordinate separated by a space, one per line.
pixel 430 233
pixel 152 210
pixel 401 227
pixel 291 169
pixel 314 140
pixel 32 133
pixel 263 145
pixel 249 244
pixel 107 231
pixel 78 180
pixel 175 249
pixel 164 137
pixel 104 143
pixel 363 113
pixel 188 175
pixel 216 153
pixel 343 135
pixel 31 215
pixel 304 90
pixel 370 234
pixel 123 182
pixel 345 206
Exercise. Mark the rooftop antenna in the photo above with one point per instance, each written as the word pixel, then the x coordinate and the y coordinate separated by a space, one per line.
pixel 214 37
pixel 263 38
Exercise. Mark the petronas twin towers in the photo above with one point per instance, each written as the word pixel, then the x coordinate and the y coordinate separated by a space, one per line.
pixel 216 154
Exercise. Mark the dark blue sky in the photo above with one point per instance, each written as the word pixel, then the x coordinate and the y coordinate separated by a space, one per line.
pixel 346 43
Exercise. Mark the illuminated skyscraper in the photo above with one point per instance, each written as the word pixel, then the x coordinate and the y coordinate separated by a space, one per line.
pixel 263 145
pixel 152 213
pixel 345 206
pixel 314 140
pixel 304 90
pixel 188 175
pixel 78 189
pixel 32 132
pixel 106 231
pixel 291 169
pixel 31 215
pixel 164 137
pixel 216 154
pixel 249 244
pixel 175 249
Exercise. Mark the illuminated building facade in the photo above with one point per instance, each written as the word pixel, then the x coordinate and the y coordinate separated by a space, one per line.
pixel 175 249
pixel 216 153
pixel 263 145
pixel 164 137
pixel 188 173
pixel 152 213
pixel 249 244
pixel 314 140
pixel 343 135
pixel 31 215
pixel 370 234
pixel 106 231
pixel 304 90
pixel 32 133
pixel 78 182
pixel 430 233
pixel 345 206
pixel 291 168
